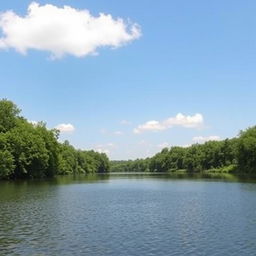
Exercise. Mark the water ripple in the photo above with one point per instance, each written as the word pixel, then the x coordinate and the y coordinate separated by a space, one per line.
pixel 128 217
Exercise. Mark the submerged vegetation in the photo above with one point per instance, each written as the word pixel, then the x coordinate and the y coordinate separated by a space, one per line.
pixel 237 155
pixel 32 151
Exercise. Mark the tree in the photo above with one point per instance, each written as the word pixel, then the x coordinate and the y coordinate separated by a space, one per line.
pixel 8 115
pixel 247 150
pixel 28 150
pixel 6 164
pixel 33 151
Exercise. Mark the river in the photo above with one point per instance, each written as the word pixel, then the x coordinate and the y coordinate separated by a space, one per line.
pixel 128 215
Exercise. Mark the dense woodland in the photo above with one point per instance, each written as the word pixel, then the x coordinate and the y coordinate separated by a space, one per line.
pixel 32 151
pixel 236 155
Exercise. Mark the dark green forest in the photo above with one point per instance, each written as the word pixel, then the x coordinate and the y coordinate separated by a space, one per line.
pixel 237 155
pixel 32 151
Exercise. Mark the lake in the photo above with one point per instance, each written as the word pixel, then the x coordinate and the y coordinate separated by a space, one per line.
pixel 128 214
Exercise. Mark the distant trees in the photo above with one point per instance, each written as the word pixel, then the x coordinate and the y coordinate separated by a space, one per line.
pixel 139 165
pixel 237 154
pixel 33 151
pixel 80 161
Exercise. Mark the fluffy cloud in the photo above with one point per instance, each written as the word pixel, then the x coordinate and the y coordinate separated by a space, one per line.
pixel 105 148
pixel 186 145
pixel 62 31
pixel 164 145
pixel 194 121
pixel 35 123
pixel 65 128
pixel 201 139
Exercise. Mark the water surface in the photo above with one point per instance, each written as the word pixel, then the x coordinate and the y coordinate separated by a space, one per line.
pixel 128 215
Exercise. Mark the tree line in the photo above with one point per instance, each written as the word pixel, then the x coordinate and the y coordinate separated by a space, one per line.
pixel 230 155
pixel 32 151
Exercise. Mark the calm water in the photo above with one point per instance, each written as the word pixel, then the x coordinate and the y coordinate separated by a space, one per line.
pixel 128 215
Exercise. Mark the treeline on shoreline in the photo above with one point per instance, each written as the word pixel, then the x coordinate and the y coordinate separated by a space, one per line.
pixel 32 151
pixel 237 155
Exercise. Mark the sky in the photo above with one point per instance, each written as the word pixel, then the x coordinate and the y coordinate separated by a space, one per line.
pixel 129 78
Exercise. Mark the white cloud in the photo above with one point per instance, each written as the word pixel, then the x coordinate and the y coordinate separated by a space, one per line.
pixel 186 145
pixel 111 145
pixel 65 127
pixel 164 145
pixel 63 31
pixel 34 123
pixel 149 126
pixel 201 139
pixel 194 121
pixel 105 148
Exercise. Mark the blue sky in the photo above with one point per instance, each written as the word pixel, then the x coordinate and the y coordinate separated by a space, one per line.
pixel 191 57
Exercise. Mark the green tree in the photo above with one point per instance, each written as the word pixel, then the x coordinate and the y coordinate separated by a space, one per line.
pixel 8 115
pixel 247 150
pixel 29 151
pixel 6 164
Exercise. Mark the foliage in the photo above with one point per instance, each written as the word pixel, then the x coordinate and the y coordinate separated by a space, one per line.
pixel 247 150
pixel 33 151
pixel 230 155
pixel 8 115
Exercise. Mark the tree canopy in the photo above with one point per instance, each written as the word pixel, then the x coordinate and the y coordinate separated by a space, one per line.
pixel 230 155
pixel 32 151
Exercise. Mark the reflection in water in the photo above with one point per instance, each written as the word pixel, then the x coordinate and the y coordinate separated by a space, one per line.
pixel 128 214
